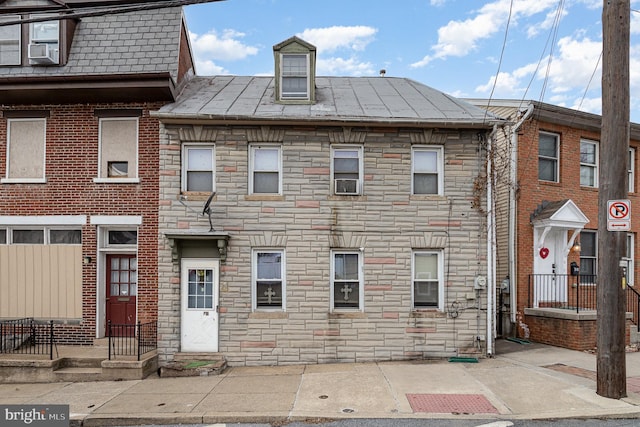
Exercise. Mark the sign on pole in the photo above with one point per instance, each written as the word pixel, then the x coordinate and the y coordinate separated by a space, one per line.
pixel 618 215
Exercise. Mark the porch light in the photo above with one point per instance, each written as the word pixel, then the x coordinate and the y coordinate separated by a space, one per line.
pixel 222 249
pixel 576 247
pixel 86 260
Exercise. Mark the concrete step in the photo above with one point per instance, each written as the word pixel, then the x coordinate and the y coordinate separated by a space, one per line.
pixel 82 362
pixel 78 374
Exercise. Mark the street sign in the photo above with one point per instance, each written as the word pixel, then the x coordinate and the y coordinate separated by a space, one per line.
pixel 619 215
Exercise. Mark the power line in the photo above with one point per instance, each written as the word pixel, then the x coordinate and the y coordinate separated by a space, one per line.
pixel 107 10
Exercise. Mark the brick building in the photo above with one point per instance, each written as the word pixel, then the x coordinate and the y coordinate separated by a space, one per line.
pixel 79 155
pixel 310 219
pixel 547 220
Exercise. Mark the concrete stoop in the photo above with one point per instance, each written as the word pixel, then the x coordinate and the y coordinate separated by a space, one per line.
pixel 194 365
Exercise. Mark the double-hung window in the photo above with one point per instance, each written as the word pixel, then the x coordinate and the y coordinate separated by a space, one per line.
pixel 346 280
pixel 548 155
pixel 588 163
pixel 10 41
pixel 631 169
pixel 268 279
pixel 346 170
pixel 295 76
pixel 198 168
pixel 265 165
pixel 426 168
pixel 26 150
pixel 44 42
pixel 427 283
pixel 588 256
pixel 118 150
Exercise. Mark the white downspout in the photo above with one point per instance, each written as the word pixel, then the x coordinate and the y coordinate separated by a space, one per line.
pixel 513 278
pixel 491 288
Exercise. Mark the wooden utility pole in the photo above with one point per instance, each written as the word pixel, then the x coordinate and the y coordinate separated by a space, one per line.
pixel 614 153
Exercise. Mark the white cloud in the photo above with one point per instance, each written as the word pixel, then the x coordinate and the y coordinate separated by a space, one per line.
pixel 437 2
pixel 459 38
pixel 330 39
pixel 209 68
pixel 224 47
pixel 344 67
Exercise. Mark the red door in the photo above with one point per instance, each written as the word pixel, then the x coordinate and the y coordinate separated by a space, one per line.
pixel 122 288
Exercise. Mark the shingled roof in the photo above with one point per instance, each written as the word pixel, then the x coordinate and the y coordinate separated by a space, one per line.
pixel 373 100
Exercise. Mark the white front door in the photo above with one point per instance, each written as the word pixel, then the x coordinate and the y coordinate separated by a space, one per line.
pixel 550 270
pixel 199 305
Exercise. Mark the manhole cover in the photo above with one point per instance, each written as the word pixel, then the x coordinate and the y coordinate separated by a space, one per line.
pixel 451 403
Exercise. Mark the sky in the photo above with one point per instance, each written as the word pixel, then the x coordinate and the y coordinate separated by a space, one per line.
pixel 543 50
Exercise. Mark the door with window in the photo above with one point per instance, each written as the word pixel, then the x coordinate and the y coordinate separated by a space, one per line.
pixel 122 289
pixel 550 270
pixel 199 305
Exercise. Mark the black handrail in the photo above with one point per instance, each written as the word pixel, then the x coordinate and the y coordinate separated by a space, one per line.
pixel 131 340
pixel 634 309
pixel 27 336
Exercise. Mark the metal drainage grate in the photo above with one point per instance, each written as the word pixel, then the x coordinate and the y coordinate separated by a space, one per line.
pixel 451 403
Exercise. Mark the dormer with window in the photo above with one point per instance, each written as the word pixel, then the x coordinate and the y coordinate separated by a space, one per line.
pixel 43 42
pixel 295 62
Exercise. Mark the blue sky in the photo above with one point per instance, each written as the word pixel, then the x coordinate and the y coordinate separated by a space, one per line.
pixel 546 50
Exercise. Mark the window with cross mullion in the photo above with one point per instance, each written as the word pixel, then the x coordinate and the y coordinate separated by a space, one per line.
pixel 346 281
pixel 268 280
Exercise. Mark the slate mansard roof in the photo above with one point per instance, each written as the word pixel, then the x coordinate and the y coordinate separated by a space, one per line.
pixel 347 100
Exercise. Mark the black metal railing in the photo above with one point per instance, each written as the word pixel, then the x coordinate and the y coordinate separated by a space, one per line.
pixel 27 336
pixel 562 291
pixel 132 340
pixel 633 305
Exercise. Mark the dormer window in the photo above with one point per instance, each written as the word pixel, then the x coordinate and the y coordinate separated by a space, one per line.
pixel 295 76
pixel 295 71
pixel 10 41
pixel 44 42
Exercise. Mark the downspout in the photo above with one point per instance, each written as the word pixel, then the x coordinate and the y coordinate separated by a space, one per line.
pixel 513 278
pixel 491 234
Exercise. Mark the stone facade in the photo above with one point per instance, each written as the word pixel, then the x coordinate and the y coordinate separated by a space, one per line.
pixel 386 223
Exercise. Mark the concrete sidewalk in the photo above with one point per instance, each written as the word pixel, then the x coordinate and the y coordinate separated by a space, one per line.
pixel 521 382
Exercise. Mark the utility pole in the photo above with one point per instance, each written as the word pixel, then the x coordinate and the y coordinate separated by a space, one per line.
pixel 614 153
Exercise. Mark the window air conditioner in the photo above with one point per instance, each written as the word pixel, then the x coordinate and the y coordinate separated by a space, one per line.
pixel 346 186
pixel 41 53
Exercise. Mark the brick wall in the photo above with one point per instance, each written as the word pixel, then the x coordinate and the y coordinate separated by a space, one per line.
pixel 71 165
pixel 387 222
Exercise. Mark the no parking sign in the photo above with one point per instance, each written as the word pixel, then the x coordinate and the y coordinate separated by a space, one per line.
pixel 618 215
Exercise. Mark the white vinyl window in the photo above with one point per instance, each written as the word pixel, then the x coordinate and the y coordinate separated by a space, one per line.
pixel 346 170
pixel 588 255
pixel 269 289
pixel 10 41
pixel 426 168
pixel 428 281
pixel 548 152
pixel 588 163
pixel 26 150
pixel 295 76
pixel 198 168
pixel 631 169
pixel 44 42
pixel 118 150
pixel 265 165
pixel 346 281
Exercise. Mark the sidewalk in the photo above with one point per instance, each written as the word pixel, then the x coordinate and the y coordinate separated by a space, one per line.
pixel 521 382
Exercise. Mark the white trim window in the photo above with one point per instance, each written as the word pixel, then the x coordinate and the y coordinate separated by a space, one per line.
pixel 265 169
pixel 198 167
pixel 548 157
pixel 10 41
pixel 427 279
pixel 588 163
pixel 26 150
pixel 589 254
pixel 3 236
pixel 347 166
pixel 631 169
pixel 20 235
pixel 427 167
pixel 628 259
pixel 268 279
pixel 294 83
pixel 118 152
pixel 44 41
pixel 347 290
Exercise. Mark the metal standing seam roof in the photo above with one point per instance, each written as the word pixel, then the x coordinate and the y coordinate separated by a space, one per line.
pixel 124 43
pixel 345 99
